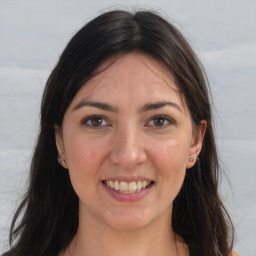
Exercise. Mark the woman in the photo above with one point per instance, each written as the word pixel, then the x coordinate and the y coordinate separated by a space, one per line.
pixel 125 162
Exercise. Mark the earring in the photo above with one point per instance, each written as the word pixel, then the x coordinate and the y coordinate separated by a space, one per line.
pixel 61 161
pixel 191 159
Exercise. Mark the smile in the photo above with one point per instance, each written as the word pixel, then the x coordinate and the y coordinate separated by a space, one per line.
pixel 127 187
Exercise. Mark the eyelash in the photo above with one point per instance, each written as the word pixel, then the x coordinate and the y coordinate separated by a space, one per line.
pixel 152 119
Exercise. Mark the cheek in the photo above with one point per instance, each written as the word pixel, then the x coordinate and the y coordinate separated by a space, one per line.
pixel 171 153
pixel 83 153
pixel 84 159
pixel 170 159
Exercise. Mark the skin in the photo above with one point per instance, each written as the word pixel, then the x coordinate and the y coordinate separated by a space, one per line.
pixel 128 141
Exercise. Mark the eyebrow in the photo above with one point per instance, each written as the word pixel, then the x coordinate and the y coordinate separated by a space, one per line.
pixel 108 107
pixel 95 104
pixel 160 104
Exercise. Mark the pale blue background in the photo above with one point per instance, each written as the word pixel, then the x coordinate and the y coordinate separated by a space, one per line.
pixel 223 33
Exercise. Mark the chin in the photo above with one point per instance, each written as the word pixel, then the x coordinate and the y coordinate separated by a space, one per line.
pixel 128 220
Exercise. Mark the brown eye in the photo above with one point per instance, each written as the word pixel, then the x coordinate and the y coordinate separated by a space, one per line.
pixel 160 121
pixel 95 122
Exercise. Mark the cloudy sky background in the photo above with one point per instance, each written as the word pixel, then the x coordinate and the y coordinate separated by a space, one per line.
pixel 223 33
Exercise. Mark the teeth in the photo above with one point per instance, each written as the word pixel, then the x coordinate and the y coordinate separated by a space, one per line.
pixel 123 186
pixel 127 187
pixel 132 187
pixel 111 184
pixel 144 183
pixel 116 185
pixel 139 185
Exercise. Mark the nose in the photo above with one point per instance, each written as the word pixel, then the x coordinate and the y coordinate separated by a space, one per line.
pixel 128 150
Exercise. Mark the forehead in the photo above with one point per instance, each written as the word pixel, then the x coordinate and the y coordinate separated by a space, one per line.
pixel 130 78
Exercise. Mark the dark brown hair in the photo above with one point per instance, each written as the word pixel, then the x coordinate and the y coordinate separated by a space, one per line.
pixel 47 219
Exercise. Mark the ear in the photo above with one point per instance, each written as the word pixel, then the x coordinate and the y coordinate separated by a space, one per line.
pixel 197 142
pixel 60 146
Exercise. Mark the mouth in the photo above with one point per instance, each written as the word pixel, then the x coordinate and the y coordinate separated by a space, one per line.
pixel 127 187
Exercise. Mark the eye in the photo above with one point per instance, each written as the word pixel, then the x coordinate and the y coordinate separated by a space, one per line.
pixel 160 121
pixel 95 122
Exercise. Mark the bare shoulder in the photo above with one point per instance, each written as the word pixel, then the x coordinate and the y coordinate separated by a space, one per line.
pixel 235 254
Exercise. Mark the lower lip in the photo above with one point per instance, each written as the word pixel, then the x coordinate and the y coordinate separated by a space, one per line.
pixel 128 197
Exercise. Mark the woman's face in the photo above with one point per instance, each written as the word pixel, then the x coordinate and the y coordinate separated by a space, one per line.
pixel 127 138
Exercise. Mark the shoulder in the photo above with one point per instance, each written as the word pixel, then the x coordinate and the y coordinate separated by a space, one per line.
pixel 235 254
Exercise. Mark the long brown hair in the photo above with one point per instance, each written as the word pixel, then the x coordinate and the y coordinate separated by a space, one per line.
pixel 47 219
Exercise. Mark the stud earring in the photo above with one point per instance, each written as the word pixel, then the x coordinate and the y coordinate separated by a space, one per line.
pixel 61 161
pixel 191 159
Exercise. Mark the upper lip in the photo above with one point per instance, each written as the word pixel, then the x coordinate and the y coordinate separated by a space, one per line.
pixel 127 178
